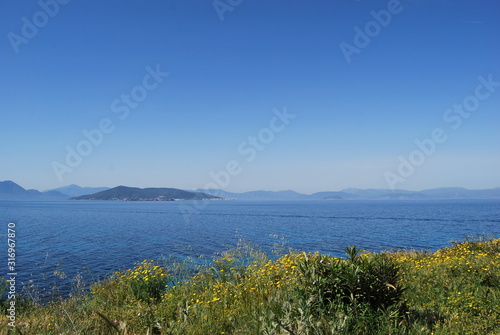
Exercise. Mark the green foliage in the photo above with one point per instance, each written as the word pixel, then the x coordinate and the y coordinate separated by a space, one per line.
pixel 134 193
pixel 3 289
pixel 455 290
pixel 147 281
pixel 363 287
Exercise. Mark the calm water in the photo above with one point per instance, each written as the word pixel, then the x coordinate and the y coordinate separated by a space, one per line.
pixel 105 236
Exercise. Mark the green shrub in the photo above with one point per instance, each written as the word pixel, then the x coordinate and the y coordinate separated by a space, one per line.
pixel 147 281
pixel 363 281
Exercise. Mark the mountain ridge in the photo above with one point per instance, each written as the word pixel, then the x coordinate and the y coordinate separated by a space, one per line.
pixel 75 190
pixel 366 194
pixel 9 190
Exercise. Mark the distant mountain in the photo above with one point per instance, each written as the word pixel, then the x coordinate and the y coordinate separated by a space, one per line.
pixel 370 193
pixel 402 196
pixel 334 197
pixel 9 190
pixel 432 194
pixel 376 194
pixel 462 193
pixel 323 195
pixel 76 191
pixel 365 194
pixel 12 191
pixel 145 194
pixel 255 195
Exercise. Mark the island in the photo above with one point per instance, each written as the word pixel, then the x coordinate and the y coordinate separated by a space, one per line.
pixel 125 193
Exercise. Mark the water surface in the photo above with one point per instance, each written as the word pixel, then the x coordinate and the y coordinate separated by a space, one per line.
pixel 103 236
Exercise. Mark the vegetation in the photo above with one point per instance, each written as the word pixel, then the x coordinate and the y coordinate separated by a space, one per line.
pixel 455 290
pixel 134 193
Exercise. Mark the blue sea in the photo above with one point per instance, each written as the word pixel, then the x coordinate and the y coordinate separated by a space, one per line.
pixel 97 237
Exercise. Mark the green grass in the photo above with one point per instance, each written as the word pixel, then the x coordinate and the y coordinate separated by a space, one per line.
pixel 455 290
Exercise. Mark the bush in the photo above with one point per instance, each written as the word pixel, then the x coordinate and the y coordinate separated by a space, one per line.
pixel 329 285
pixel 147 281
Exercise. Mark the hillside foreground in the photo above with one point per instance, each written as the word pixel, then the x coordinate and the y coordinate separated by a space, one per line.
pixel 455 290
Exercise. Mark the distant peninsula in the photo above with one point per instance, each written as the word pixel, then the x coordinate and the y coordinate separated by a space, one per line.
pixel 124 193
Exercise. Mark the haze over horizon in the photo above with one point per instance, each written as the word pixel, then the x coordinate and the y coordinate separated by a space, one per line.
pixel 252 190
pixel 337 190
pixel 9 190
pixel 304 95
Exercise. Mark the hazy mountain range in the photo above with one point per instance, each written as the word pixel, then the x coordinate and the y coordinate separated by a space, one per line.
pixel 12 191
pixel 365 194
pixel 76 191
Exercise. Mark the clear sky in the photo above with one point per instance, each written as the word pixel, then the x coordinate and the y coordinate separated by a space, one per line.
pixel 363 81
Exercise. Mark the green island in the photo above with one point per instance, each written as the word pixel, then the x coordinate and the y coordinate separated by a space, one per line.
pixel 455 290
pixel 125 193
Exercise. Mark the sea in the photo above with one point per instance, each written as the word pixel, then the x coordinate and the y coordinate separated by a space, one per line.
pixel 57 241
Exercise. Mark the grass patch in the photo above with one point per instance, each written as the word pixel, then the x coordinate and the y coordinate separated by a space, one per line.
pixel 455 290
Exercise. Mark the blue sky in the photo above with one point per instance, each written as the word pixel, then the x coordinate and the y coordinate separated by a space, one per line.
pixel 356 118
